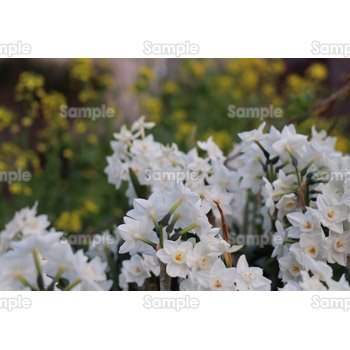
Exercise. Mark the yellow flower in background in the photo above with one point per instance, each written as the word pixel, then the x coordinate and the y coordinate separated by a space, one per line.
pixel 15 188
pixel 80 126
pixel 223 139
pixel 342 144
pixel 178 116
pixel 31 82
pixel 295 82
pixel 268 90
pixel 153 106
pixel 184 131
pixel 89 207
pixel 6 118
pixel 21 162
pixel 27 121
pixel 81 70
pixel 68 153
pixel 27 191
pixel 69 222
pixel 236 95
pixel 277 101
pixel 233 66
pixel 197 68
pixel 224 83
pixel 317 71
pixel 278 66
pixel 170 87
pixel 92 139
pixel 146 72
pixel 250 80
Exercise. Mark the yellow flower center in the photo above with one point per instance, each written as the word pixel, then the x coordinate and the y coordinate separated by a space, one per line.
pixel 217 284
pixel 330 214
pixel 179 257
pixel 308 225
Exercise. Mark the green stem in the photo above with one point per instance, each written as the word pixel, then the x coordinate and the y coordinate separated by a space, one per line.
pixel 187 229
pixel 72 285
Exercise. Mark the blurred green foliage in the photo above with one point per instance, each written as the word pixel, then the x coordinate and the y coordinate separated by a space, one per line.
pixel 192 101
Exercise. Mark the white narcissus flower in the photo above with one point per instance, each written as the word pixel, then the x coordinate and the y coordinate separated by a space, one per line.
pixel 284 183
pixel 311 283
pixel 290 142
pixel 15 267
pixel 332 215
pixel 152 264
pixel 214 152
pixel 135 233
pixel 135 270
pixel 191 284
pixel 139 126
pixel 287 204
pixel 203 257
pixel 250 278
pixel 26 222
pixel 278 240
pixel 218 278
pixel 306 222
pixel 178 257
pixel 214 196
pixel 290 267
pixel 92 274
pixel 268 195
pixel 314 245
pixel 338 247
pixel 254 135
pixel 153 208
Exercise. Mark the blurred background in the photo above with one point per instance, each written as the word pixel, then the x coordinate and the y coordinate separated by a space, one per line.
pixel 187 98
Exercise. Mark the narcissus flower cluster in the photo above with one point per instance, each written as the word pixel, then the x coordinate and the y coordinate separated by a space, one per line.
pixel 187 210
pixel 35 257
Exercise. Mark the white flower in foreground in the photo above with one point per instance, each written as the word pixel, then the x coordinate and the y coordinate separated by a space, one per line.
pixel 14 269
pixel 314 245
pixel 332 215
pixel 306 222
pixel 135 270
pixel 153 208
pixel 26 223
pixel 177 256
pixel 254 135
pixel 250 278
pixel 311 283
pixel 139 126
pixel 152 264
pixel 191 284
pixel 203 258
pixel 290 142
pixel 92 274
pixel 287 204
pixel 278 240
pixel 218 278
pixel 290 267
pixel 338 247
pixel 137 234
pixel 213 150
